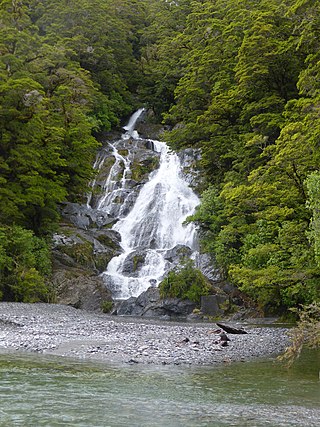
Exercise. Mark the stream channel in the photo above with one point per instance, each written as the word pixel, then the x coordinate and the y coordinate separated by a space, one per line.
pixel 48 391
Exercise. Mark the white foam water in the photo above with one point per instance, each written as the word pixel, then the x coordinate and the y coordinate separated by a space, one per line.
pixel 154 225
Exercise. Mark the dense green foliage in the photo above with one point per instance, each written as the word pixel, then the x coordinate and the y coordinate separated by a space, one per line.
pixel 248 96
pixel 239 79
pixel 186 283
pixel 68 69
pixel 24 261
pixel 313 187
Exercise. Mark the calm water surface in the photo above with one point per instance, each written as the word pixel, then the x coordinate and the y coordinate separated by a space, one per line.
pixel 42 391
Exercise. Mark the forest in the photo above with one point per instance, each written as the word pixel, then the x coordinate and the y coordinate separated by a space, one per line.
pixel 237 79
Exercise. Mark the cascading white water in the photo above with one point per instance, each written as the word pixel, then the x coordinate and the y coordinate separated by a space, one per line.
pixel 97 165
pixel 129 128
pixel 112 187
pixel 153 226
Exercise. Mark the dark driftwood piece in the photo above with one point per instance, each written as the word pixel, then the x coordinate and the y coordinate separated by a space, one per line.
pixel 231 330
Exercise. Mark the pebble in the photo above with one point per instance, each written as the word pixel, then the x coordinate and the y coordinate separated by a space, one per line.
pixel 65 331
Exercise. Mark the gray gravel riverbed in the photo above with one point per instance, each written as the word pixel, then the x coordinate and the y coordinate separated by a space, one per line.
pixel 65 331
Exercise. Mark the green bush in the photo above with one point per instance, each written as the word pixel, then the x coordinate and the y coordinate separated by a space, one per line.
pixel 106 306
pixel 186 283
pixel 24 265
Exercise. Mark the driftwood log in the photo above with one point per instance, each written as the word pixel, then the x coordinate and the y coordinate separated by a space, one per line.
pixel 231 329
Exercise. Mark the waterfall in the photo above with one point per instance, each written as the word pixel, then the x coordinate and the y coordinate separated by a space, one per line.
pixel 129 128
pixel 154 225
pixel 115 183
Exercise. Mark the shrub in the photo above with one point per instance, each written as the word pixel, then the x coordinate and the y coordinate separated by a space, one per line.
pixel 306 333
pixel 106 306
pixel 186 283
pixel 24 265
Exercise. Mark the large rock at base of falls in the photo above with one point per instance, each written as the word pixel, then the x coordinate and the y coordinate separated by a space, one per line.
pixel 80 289
pixel 149 304
pixel 79 256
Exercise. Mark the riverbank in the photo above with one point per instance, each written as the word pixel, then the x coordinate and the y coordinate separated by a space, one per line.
pixel 65 331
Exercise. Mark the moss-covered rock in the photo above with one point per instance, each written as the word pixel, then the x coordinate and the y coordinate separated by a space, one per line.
pixel 79 256
pixel 104 170
pixel 108 239
pixel 81 253
pixel 102 259
pixel 123 152
pixel 133 263
pixel 142 168
pixel 92 249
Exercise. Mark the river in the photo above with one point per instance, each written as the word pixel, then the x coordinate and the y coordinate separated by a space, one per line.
pixel 48 391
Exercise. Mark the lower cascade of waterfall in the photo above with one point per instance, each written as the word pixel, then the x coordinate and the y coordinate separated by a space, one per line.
pixel 151 221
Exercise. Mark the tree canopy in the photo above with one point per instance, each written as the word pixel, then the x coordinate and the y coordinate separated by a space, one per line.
pixel 237 79
pixel 249 98
pixel 68 69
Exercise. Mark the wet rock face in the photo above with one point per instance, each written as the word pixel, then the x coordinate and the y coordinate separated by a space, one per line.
pixel 91 249
pixel 85 217
pixel 79 256
pixel 148 127
pixel 80 289
pixel 86 243
pixel 122 168
pixel 177 254
pixel 134 262
pixel 204 264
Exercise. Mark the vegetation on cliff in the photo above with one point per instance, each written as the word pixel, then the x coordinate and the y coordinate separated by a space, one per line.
pixel 238 79
pixel 68 69
pixel 249 98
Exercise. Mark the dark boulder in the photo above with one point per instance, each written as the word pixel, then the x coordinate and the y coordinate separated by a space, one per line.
pixel 85 217
pixel 214 305
pixel 149 304
pixel 80 289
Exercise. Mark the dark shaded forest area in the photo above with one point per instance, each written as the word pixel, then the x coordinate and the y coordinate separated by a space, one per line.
pixel 238 79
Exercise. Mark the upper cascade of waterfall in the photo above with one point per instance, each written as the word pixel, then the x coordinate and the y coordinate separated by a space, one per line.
pixel 130 126
pixel 150 219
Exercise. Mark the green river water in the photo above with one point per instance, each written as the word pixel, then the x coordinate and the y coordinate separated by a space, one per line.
pixel 44 391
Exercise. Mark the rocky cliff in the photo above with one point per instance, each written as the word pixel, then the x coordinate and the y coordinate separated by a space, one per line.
pixel 86 242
